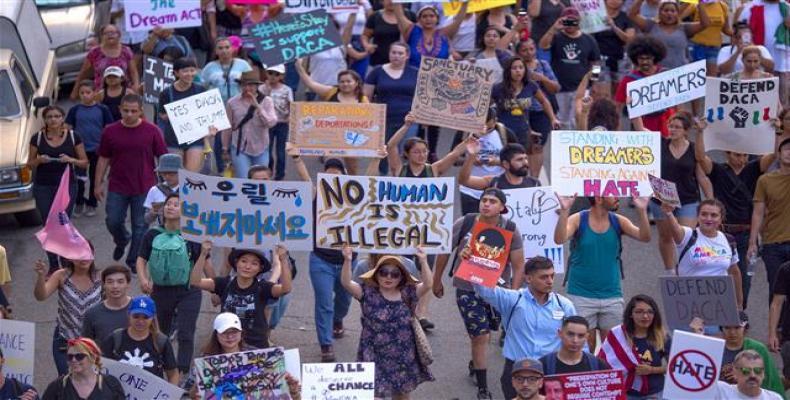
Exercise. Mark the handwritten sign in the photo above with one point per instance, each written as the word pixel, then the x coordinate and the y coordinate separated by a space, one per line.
pixel 666 89
pixel 694 365
pixel 377 214
pixel 339 380
pixel 292 36
pixel 143 15
pixel 453 8
pixel 157 76
pixel 593 14
pixel 490 249
pixel 191 117
pixel 18 341
pixel 534 210
pixel 599 385
pixel 711 298
pixel 330 6
pixel 664 190
pixel 739 115
pixel 255 374
pixel 246 213
pixel 338 129
pixel 139 383
pixel 452 94
pixel 600 163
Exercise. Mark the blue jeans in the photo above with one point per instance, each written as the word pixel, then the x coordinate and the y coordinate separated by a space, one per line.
pixel 116 207
pixel 774 255
pixel 278 308
pixel 278 134
pixel 59 351
pixel 44 195
pixel 331 299
pixel 242 161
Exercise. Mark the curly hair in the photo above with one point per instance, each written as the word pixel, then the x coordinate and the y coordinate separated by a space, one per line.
pixel 646 45
pixel 603 112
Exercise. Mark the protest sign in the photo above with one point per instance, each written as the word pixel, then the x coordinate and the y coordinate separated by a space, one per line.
pixel 253 374
pixel 658 92
pixel 191 117
pixel 598 385
pixel 157 76
pixel 378 214
pixel 338 380
pixel 694 365
pixel 711 298
pixel 142 15
pixel 454 7
pixel 337 129
pixel 452 94
pixel 739 115
pixel 664 190
pixel 601 163
pixel 593 14
pixel 534 210
pixel 490 249
pixel 140 384
pixel 246 213
pixel 18 342
pixel 292 36
pixel 330 6
pixel 251 1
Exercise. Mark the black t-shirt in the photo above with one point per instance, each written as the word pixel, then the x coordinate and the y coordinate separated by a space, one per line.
pixel 782 286
pixel 141 354
pixel 384 34
pixel 735 190
pixel 170 95
pixel 610 44
pixel 582 366
pixel 648 355
pixel 50 173
pixel 571 58
pixel 12 389
pixel 110 389
pixel 682 171
pixel 727 364
pixel 248 304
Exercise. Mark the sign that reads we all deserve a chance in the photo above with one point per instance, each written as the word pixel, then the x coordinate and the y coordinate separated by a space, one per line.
pixel 339 381
pixel 18 343
pixel 293 36
pixel 144 15
pixel 658 92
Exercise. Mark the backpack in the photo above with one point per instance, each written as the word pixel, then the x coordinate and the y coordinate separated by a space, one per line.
pixel 584 222
pixel 169 263
pixel 117 340
pixel 550 368
pixel 166 190
pixel 466 226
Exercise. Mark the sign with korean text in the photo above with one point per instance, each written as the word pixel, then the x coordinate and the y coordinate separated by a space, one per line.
pixel 599 385
pixel 378 214
pixel 144 15
pixel 254 374
pixel 338 380
pixel 601 163
pixel 18 342
pixel 534 210
pixel 246 213
pixel 658 92
pixel 139 383
pixel 330 6
pixel 694 365
pixel 453 8
pixel 452 94
pixel 593 14
pixel 739 114
pixel 489 251
pixel 337 129
pixel 157 76
pixel 292 36
pixel 664 190
pixel 711 298
pixel 191 117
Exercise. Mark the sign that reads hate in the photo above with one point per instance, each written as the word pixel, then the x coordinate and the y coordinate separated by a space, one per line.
pixel 18 342
pixel 338 129
pixel 658 92
pixel 598 385
pixel 144 15
pixel 694 365
pixel 191 117
pixel 157 76
pixel 292 36
pixel 489 248
pixel 139 383
pixel 377 214
pixel 254 374
pixel 534 210
pixel 339 380
pixel 711 298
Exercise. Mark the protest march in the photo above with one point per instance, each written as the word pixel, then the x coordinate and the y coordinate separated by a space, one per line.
pixel 393 199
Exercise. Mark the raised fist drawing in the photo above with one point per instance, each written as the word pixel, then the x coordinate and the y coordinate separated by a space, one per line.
pixel 739 115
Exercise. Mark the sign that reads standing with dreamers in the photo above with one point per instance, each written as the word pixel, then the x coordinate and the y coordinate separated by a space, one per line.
pixel 144 15
pixel 292 36
pixel 666 89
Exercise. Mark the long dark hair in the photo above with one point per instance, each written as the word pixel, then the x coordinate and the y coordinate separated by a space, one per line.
pixel 507 80
pixel 358 79
pixel 655 333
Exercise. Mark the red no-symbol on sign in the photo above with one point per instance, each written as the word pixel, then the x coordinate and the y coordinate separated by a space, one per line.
pixel 693 370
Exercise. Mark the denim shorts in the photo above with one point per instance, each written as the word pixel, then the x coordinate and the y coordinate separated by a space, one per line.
pixel 479 317
pixel 701 52
pixel 685 211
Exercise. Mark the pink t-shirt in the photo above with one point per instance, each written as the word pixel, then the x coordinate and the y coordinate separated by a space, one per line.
pixel 133 153
pixel 100 62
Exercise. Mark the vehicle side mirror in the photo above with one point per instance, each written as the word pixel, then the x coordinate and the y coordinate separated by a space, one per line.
pixel 39 103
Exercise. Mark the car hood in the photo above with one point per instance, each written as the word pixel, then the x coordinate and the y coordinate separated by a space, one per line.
pixel 68 24
pixel 9 142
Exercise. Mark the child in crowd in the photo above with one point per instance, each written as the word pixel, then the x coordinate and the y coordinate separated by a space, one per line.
pixel 282 96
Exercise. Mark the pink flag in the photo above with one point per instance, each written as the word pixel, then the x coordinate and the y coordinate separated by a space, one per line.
pixel 59 236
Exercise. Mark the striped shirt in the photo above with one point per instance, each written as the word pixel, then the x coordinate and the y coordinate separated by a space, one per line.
pixel 73 303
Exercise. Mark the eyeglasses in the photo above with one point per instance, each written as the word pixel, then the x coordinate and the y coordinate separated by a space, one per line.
pixel 748 371
pixel 526 379
pixel 76 356
pixel 644 312
pixel 391 273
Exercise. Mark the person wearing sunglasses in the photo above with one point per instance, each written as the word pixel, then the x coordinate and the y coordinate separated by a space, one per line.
pixel 749 373
pixel 84 381
pixel 527 379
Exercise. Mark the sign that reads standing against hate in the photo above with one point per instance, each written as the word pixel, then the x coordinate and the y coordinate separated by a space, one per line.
pixel 339 380
pixel 453 8
pixel 293 36
pixel 608 164
pixel 658 92
pixel 144 15
pixel 452 94
pixel 191 117
pixel 377 214
pixel 337 129
pixel 664 190
pixel 598 385
pixel 693 368
pixel 739 115
pixel 330 6
pixel 246 213
pixel 490 249
pixel 139 383
pixel 711 298
pixel 18 342
pixel 254 374
pixel 157 76
pixel 534 210
pixel 593 14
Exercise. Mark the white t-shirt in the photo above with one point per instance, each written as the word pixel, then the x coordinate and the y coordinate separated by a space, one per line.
pixel 726 52
pixel 359 23
pixel 156 196
pixel 490 146
pixel 725 391
pixel 325 65
pixel 773 18
pixel 707 256
pixel 464 39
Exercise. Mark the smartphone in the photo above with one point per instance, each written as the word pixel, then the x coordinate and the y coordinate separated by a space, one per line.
pixel 596 73
pixel 746 38
pixel 570 22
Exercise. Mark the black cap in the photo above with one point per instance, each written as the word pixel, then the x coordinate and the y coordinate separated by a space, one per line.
pixel 335 163
pixel 499 194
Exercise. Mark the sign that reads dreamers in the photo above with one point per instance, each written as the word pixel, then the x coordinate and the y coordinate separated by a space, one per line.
pixel 666 89
pixel 144 15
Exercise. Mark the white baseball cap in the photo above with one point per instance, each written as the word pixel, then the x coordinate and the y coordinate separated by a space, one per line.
pixel 277 68
pixel 113 70
pixel 225 321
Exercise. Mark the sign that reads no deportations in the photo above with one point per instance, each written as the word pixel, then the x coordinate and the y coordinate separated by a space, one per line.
pixel 292 36
pixel 337 129
pixel 339 380
pixel 144 15
pixel 609 164
pixel 666 89
pixel 375 214
pixel 534 210
pixel 254 374
pixel 191 117
pixel 157 76
pixel 711 298
pixel 694 365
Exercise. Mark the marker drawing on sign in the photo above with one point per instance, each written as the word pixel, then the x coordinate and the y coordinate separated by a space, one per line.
pixel 693 370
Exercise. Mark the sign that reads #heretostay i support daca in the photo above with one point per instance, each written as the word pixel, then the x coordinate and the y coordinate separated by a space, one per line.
pixel 292 36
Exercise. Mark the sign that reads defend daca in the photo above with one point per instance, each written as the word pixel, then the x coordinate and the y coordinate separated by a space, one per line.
pixel 666 89
pixel 293 36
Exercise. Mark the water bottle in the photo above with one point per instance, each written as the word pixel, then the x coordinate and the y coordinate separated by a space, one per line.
pixel 752 263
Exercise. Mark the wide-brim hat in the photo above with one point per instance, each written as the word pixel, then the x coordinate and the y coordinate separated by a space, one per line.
pixel 235 254
pixel 170 163
pixel 249 77
pixel 370 276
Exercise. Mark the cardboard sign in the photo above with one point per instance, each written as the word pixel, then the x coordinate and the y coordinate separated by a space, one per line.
pixel 254 374
pixel 337 129
pixel 452 94
pixel 711 298
pixel 664 190
pixel 292 36
pixel 157 76
pixel 378 214
pixel 330 6
pixel 666 89
pixel 694 365
pixel 534 210
pixel 454 7
pixel 593 14
pixel 338 380
pixel 191 117
pixel 246 213
pixel 608 164
pixel 144 15
pixel 18 342
pixel 739 115
pixel 139 383
pixel 599 385
pixel 490 249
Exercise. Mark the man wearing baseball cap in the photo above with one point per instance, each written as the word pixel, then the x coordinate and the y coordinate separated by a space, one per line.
pixel 527 379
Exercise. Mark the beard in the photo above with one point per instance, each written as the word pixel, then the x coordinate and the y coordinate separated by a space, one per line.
pixel 522 172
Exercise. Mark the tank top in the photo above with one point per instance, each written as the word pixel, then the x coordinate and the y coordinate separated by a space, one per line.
pixel 405 172
pixel 677 45
pixel 501 182
pixel 593 269
pixel 114 104
pixel 73 304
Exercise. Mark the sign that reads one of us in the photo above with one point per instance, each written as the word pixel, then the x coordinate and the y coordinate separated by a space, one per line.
pixel 292 36
pixel 658 92
pixel 338 129
pixel 711 298
pixel 139 383
pixel 601 163
pixel 534 210
pixel 18 343
pixel 191 117
pixel 144 15
pixel 376 214
pixel 330 6
pixel 157 76
pixel 246 213
pixel 254 374
pixel 339 380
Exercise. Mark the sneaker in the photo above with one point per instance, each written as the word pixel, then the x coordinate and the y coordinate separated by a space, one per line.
pixel 90 211
pixel 337 330
pixel 426 324
pixel 118 252
pixel 327 354
pixel 79 209
pixel 484 394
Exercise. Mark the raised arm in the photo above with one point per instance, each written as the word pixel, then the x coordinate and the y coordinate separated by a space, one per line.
pixel 641 231
pixel 393 155
pixel 281 260
pixel 635 16
pixel 692 28
pixel 301 168
pixel 353 288
pixel 441 166
pixel 404 24
pixel 452 29
pixel 426 275
pixel 703 161
pixel 566 225
pixel 674 226
pixel 318 88
pixel 196 278
pixel 728 66
pixel 373 165
pixel 548 37
pixel 533 8
pixel 46 287
pixel 465 176
pixel 346 34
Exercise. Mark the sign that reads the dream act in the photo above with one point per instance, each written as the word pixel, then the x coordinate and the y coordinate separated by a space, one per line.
pixel 534 210
pixel 340 380
pixel 144 15
pixel 666 89
pixel 376 214
pixel 711 298
pixel 452 94
pixel 292 36
pixel 246 213
pixel 600 163
pixel 338 129
pixel 739 115
pixel 157 76
pixel 191 117
pixel 18 342
pixel 254 374
pixel 139 383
